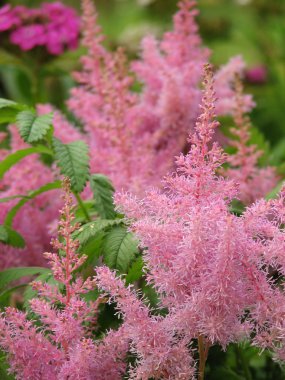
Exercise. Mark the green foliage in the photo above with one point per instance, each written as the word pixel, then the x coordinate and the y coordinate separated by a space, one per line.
pixel 11 237
pixel 13 212
pixel 103 192
pixel 10 275
pixel 73 160
pixel 136 271
pixel 90 230
pixel 9 110
pixel 120 248
pixel 33 128
pixel 17 156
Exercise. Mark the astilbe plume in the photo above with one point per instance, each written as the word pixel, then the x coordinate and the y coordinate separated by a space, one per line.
pixel 104 103
pixel 36 219
pixel 156 122
pixel 58 343
pixel 254 182
pixel 210 267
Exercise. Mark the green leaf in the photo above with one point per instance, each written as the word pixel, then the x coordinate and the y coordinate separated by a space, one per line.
pixel 73 160
pixel 90 230
pixel 274 193
pixel 8 115
pixel 11 237
pixel 136 271
pixel 14 158
pixel 12 274
pixel 9 110
pixel 7 199
pixel 3 234
pixel 13 212
pixel 7 103
pixel 103 192
pixel 33 128
pixel 120 248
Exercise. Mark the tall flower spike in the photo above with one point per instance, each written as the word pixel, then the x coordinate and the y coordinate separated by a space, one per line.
pixel 65 330
pixel 254 182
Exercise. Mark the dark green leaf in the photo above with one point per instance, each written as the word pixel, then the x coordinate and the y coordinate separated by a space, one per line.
pixel 89 230
pixel 11 237
pixel 120 248
pixel 136 271
pixel 73 160
pixel 103 192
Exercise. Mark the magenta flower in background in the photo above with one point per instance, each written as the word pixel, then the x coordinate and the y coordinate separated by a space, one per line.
pixel 8 18
pixel 53 25
pixel 28 37
pixel 256 74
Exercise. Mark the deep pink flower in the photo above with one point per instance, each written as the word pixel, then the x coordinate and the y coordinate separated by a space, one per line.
pixel 8 18
pixel 256 74
pixel 29 36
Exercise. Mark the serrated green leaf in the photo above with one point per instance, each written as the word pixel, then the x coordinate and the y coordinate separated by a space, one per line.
pixel 73 160
pixel 120 248
pixel 136 271
pixel 103 192
pixel 89 230
pixel 12 274
pixel 33 194
pixel 33 128
pixel 14 158
pixel 11 237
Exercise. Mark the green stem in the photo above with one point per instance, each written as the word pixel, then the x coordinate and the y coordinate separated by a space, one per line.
pixel 244 363
pixel 81 204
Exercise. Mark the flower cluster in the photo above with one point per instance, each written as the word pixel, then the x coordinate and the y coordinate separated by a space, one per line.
pixel 53 25
pixel 210 268
pixel 254 182
pixel 158 120
pixel 57 342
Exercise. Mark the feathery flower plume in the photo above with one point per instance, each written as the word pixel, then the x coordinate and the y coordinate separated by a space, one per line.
pixel 210 267
pixel 156 122
pixel 254 182
pixel 59 338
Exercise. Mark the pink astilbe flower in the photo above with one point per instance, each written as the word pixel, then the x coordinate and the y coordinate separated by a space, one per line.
pixel 224 78
pixel 160 355
pixel 171 94
pixel 156 122
pixel 104 103
pixel 62 338
pixel 211 268
pixel 254 182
